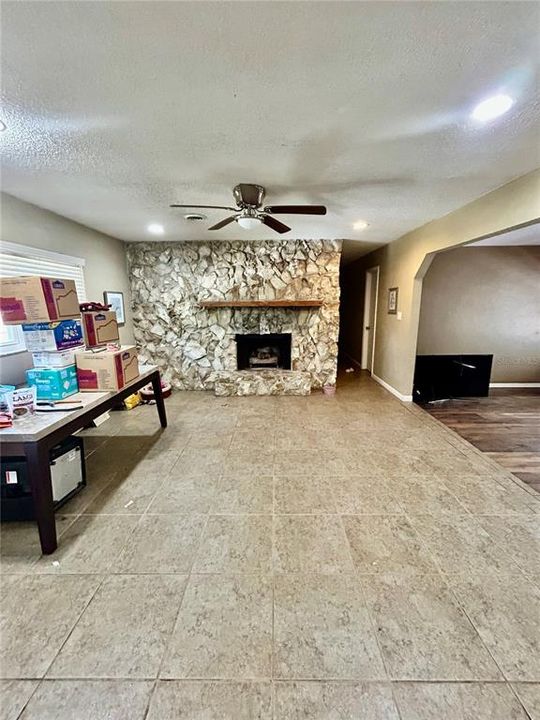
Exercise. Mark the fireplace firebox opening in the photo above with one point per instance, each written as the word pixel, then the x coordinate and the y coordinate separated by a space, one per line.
pixel 259 352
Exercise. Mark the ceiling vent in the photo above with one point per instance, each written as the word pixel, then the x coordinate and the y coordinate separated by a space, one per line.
pixel 194 217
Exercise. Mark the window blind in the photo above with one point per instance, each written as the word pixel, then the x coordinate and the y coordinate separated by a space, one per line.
pixel 21 260
pixel 24 262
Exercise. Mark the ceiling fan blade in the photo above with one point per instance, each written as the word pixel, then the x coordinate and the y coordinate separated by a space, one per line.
pixel 274 224
pixel 297 209
pixel 222 223
pixel 206 207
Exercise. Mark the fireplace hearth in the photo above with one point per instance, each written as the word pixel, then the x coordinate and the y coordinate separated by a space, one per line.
pixel 262 352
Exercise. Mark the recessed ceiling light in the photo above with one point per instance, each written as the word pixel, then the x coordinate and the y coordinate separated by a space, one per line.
pixel 155 229
pixel 360 225
pixel 492 108
pixel 3 126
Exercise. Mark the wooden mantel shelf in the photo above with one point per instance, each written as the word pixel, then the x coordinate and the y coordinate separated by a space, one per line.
pixel 260 303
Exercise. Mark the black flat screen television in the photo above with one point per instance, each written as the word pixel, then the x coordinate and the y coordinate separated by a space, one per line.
pixel 441 377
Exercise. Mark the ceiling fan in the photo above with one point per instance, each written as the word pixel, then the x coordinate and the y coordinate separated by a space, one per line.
pixel 250 213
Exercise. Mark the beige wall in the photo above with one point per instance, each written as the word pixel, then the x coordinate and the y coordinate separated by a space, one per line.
pixel 404 261
pixel 106 265
pixel 485 300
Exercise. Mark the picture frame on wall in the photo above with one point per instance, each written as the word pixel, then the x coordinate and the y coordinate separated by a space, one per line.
pixel 392 300
pixel 116 301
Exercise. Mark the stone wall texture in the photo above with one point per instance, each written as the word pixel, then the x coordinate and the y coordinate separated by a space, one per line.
pixel 192 345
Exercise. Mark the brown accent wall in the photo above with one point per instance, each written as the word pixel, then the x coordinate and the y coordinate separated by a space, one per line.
pixel 485 300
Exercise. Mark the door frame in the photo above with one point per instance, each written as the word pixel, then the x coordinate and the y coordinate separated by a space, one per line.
pixel 372 276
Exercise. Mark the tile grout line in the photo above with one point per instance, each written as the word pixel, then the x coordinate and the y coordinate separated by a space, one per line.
pixel 498 544
pixel 516 695
pixel 451 590
pixel 85 608
pixel 445 579
pixel 267 679
pixel 27 703
pixel 149 701
pixel 461 605
pixel 188 578
pixel 108 572
pixel 274 559
pixel 366 604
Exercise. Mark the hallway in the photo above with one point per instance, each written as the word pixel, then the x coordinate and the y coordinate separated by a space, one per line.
pixel 279 557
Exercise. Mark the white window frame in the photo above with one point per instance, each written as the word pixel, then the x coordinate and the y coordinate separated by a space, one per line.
pixel 15 343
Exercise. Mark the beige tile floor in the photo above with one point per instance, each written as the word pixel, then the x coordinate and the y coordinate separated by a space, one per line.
pixel 278 558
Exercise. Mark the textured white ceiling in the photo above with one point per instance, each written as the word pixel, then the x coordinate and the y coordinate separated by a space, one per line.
pixel 116 109
pixel 527 235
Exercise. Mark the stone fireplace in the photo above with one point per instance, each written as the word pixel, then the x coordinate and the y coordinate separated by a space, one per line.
pixel 187 320
pixel 255 351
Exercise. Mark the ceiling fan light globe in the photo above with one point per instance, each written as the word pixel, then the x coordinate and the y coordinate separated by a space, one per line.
pixel 248 223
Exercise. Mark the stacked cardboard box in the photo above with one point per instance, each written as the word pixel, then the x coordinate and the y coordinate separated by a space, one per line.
pixel 48 310
pixel 107 369
pixel 37 300
pixel 105 365
pixel 100 328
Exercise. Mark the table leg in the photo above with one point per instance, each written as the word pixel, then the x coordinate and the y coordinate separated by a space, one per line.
pixel 158 396
pixel 39 472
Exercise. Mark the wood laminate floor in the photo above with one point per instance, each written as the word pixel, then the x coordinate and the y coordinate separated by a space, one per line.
pixel 505 425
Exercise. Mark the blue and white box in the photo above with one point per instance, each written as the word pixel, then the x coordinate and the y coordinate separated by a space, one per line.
pixel 53 383
pixel 53 359
pixel 53 336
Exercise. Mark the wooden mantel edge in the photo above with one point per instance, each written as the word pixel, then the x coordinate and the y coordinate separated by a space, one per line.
pixel 260 303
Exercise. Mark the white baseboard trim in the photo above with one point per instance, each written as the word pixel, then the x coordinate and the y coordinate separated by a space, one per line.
pixel 386 386
pixel 516 385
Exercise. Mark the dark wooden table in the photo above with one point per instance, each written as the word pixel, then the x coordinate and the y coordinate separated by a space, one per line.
pixel 34 437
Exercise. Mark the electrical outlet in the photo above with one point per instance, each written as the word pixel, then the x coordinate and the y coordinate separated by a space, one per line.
pixel 399 315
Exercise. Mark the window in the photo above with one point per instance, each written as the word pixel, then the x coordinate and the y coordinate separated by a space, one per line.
pixel 22 260
pixel 11 339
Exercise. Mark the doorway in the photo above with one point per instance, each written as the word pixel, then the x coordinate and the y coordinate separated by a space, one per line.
pixel 371 295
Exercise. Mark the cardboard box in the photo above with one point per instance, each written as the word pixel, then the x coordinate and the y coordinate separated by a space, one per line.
pixel 53 337
pixel 37 299
pixel 53 359
pixel 100 327
pixel 107 369
pixel 53 383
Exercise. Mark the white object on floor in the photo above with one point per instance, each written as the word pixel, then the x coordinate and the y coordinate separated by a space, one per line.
pixel 101 419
